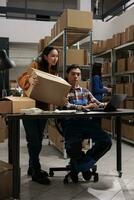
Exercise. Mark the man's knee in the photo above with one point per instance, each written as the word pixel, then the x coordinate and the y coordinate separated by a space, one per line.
pixel 74 150
pixel 107 144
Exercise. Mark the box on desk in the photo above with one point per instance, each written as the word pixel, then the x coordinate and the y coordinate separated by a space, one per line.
pixel 5 180
pixel 50 89
pixel 12 104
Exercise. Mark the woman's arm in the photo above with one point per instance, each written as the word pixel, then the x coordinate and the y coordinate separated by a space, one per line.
pixel 97 85
pixel 23 80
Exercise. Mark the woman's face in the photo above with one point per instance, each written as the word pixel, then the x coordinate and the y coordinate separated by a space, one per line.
pixel 52 57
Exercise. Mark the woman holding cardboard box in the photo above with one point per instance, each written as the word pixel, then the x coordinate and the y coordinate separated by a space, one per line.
pixel 34 129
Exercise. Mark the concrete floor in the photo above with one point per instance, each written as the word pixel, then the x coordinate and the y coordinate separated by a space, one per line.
pixel 109 186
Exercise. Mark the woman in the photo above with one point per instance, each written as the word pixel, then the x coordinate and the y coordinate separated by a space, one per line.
pixel 34 129
pixel 98 90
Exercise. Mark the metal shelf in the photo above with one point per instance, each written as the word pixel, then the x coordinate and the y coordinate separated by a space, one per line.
pixel 104 54
pixel 74 35
pixel 106 75
pixel 67 38
pixel 124 73
pixel 127 46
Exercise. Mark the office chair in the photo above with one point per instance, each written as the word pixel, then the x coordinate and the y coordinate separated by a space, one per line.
pixel 93 174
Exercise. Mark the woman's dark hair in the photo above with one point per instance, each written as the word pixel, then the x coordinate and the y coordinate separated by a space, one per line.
pixel 43 64
pixel 96 69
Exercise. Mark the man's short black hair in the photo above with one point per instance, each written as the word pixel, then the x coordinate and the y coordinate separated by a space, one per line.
pixel 73 66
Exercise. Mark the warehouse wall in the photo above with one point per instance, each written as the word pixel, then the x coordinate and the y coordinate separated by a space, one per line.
pixel 103 30
pixel 20 30
pixel 24 30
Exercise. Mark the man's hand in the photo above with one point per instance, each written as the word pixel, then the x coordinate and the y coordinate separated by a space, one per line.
pixel 90 106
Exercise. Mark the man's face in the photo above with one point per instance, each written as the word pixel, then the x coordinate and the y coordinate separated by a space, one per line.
pixel 74 76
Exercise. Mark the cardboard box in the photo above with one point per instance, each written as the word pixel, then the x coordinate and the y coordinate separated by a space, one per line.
pixel 129 89
pixel 129 104
pixel 12 104
pixel 129 33
pixel 50 89
pixel 123 39
pixel 76 19
pixel 106 124
pixel 56 137
pixel 3 129
pixel 5 180
pixel 47 39
pixel 117 40
pixel 41 45
pixel 121 65
pixel 120 88
pixel 127 131
pixel 74 56
pixel 130 63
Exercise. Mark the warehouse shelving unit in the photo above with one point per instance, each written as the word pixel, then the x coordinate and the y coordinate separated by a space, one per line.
pixel 67 38
pixel 115 76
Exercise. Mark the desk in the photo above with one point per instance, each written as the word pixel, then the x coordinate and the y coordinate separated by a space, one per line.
pixel 14 137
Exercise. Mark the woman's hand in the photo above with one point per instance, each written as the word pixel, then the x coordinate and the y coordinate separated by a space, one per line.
pixel 34 80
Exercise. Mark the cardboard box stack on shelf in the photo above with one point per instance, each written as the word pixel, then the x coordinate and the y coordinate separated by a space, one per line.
pixel 129 89
pixel 129 33
pixel 74 56
pixel 121 65
pixel 130 63
pixel 43 43
pixel 106 124
pixel 122 61
pixel 72 18
pixel 5 180
pixel 117 40
pixel 106 67
pixel 129 104
pixel 127 131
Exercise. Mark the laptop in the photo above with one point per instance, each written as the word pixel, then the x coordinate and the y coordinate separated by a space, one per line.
pixel 113 103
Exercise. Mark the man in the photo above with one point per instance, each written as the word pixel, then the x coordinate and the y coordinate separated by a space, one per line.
pixel 76 130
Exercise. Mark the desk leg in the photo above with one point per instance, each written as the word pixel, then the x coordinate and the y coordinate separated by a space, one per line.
pixel 14 155
pixel 118 146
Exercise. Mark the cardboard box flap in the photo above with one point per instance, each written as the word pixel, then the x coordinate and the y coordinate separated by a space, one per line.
pixel 18 99
pixel 50 77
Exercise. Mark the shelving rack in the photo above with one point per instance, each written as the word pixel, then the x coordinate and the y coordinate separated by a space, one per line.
pixel 69 37
pixel 113 54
